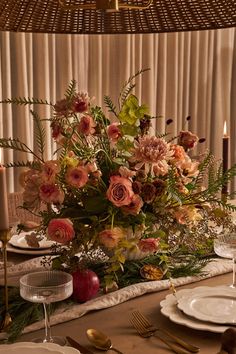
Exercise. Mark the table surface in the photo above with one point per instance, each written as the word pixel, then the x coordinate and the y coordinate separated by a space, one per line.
pixel 114 321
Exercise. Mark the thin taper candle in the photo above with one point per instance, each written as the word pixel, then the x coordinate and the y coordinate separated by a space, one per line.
pixel 4 217
pixel 225 157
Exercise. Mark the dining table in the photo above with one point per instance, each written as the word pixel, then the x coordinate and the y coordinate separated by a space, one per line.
pixel 115 321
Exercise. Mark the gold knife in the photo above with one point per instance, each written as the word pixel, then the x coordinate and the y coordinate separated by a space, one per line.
pixel 78 346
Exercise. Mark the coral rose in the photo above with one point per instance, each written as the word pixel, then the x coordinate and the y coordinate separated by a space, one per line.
pixel 60 230
pixel 120 191
pixel 111 237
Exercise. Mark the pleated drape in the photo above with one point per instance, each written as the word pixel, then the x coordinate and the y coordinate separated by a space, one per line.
pixel 191 74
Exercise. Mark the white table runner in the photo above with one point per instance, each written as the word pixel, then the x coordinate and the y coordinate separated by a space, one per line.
pixel 70 312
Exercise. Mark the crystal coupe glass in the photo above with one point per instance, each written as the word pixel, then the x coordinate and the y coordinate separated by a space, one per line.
pixel 225 246
pixel 46 287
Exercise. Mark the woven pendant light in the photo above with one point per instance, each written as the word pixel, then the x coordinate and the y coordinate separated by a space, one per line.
pixel 115 16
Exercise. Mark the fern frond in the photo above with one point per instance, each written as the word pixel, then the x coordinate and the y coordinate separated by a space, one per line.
pixel 172 189
pixel 30 164
pixel 109 104
pixel 23 101
pixel 39 133
pixel 203 168
pixel 128 87
pixel 17 145
pixel 71 89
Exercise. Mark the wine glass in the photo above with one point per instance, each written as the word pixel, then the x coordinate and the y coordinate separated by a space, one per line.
pixel 46 287
pixel 225 246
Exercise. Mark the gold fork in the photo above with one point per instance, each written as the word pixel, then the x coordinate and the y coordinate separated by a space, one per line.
pixel 149 328
pixel 147 334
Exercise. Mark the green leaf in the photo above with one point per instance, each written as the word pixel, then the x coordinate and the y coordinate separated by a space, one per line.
pixel 97 204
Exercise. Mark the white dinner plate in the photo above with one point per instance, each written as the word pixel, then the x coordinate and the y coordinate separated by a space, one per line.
pixel 217 305
pixel 36 348
pixel 169 309
pixel 19 241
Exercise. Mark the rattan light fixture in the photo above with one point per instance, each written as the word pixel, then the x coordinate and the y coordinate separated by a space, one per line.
pixel 115 16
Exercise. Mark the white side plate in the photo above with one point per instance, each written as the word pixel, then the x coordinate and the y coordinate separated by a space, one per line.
pixel 169 309
pixel 217 305
pixel 36 348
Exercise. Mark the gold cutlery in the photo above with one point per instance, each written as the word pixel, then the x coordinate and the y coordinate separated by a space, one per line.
pixel 146 329
pixel 100 340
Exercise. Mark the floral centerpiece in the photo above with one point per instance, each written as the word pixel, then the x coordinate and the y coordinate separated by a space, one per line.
pixel 117 187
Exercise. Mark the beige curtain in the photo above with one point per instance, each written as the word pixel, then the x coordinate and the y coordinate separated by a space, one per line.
pixel 192 73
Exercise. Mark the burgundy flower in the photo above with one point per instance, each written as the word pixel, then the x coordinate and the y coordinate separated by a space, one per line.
pixel 148 192
pixel 187 139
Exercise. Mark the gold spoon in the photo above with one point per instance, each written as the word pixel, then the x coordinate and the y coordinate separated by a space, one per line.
pixel 100 340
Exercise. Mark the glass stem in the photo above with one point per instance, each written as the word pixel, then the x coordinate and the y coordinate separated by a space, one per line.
pixel 48 337
pixel 234 269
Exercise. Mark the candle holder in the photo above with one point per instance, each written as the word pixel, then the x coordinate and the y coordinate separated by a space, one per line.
pixel 6 320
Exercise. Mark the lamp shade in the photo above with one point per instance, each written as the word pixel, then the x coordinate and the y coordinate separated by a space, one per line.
pixel 115 17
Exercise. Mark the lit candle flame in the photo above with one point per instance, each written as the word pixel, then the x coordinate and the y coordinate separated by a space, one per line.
pixel 225 128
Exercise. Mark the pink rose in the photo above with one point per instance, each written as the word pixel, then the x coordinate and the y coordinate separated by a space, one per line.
pixel 120 191
pixel 111 237
pixel 61 230
pixel 77 176
pixel 113 132
pixel 135 206
pixel 86 125
pixel 51 193
pixel 187 139
pixel 148 244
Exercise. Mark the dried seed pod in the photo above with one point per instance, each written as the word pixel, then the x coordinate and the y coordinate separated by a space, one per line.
pixel 151 272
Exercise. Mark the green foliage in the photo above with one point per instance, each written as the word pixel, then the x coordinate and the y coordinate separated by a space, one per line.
pixel 39 134
pixel 129 86
pixel 23 101
pixel 71 90
pixel 109 104
pixel 131 112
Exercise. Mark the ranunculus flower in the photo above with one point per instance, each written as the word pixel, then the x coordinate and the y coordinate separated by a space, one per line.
pixel 51 193
pixel 113 132
pixel 61 230
pixel 77 176
pixel 135 206
pixel 120 191
pixel 111 237
pixel 187 139
pixel 50 170
pixel 149 244
pixel 86 125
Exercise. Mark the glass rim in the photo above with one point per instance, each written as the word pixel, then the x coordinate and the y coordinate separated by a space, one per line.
pixel 23 279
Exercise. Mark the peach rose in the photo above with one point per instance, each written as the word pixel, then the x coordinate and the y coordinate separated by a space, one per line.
pixel 148 244
pixel 77 176
pixel 111 237
pixel 120 191
pixel 60 230
pixel 51 193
